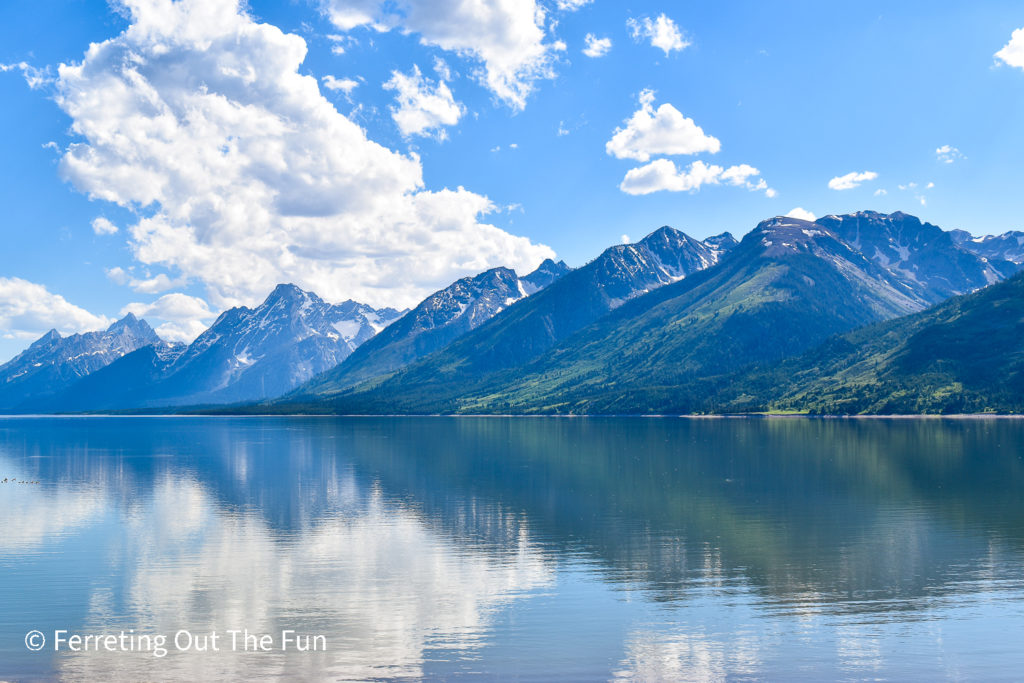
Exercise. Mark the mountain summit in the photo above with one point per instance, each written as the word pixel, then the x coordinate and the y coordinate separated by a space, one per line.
pixel 582 347
pixel 535 324
pixel 441 318
pixel 245 355
pixel 53 362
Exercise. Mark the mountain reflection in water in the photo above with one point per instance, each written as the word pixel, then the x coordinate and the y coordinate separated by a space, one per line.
pixel 598 548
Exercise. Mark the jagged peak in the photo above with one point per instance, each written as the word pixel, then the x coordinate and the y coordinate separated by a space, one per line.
pixel 549 266
pixel 663 234
pixel 722 241
pixel 895 216
pixel 286 290
pixel 499 272
pixel 779 223
pixel 132 323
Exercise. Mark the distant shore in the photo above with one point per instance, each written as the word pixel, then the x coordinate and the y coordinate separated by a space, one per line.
pixel 717 416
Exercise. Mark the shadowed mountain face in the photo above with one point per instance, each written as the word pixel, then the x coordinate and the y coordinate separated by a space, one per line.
pixel 247 354
pixel 1006 247
pixel 53 362
pixel 788 286
pixel 965 355
pixel 533 325
pixel 921 255
pixel 438 320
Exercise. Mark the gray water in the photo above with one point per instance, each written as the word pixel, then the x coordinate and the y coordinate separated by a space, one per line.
pixel 515 549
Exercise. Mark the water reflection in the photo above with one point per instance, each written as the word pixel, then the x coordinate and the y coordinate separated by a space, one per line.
pixel 634 549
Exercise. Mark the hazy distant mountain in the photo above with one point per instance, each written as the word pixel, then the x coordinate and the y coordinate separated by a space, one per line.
pixel 1007 247
pixel 535 324
pixel 439 319
pixel 247 354
pixel 53 362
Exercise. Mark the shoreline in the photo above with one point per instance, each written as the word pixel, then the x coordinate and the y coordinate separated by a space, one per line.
pixel 715 416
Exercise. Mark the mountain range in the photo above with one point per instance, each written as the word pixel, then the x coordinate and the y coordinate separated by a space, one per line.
pixel 787 287
pixel 54 362
pixel 1008 247
pixel 619 274
pixel 848 313
pixel 438 320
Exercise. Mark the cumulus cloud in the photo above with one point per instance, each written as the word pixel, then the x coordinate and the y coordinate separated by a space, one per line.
pixel 29 310
pixel 102 226
pixel 506 37
pixel 801 213
pixel 245 175
pixel 345 85
pixel 851 180
pixel 596 47
pixel 148 284
pixel 177 316
pixel 422 107
pixel 662 174
pixel 664 130
pixel 1013 52
pixel 661 32
pixel 947 154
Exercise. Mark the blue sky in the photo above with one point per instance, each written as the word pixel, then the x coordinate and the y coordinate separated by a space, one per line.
pixel 203 151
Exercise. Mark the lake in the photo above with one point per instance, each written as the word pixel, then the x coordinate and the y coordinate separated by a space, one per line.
pixel 512 549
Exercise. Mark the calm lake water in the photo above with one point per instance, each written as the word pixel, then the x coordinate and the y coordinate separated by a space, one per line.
pixel 516 549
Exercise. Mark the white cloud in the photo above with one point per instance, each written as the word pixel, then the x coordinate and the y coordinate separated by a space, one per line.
pixel 156 284
pixel 118 275
pixel 625 239
pixel 28 310
pixel 572 5
pixel 918 196
pixel 662 174
pixel 147 285
pixel 249 176
pixel 662 32
pixel 596 47
pixel 663 130
pixel 345 85
pixel 505 36
pixel 851 180
pixel 801 213
pixel 422 108
pixel 101 226
pixel 770 193
pixel 948 154
pixel 36 78
pixel 441 68
pixel 881 192
pixel 1013 52
pixel 178 317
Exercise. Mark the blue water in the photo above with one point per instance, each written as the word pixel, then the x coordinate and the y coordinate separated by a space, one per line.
pixel 516 549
